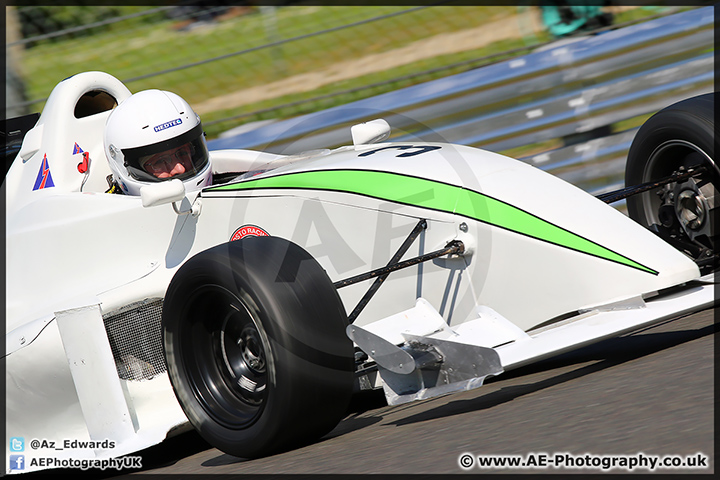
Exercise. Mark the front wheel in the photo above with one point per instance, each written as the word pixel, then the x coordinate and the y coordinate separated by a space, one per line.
pixel 255 343
pixel 673 140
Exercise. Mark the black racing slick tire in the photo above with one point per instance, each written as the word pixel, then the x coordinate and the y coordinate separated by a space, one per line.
pixel 674 140
pixel 255 345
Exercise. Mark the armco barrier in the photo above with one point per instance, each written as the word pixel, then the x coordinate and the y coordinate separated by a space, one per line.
pixel 569 89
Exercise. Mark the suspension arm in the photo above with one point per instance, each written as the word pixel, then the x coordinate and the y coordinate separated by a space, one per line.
pixel 454 247
pixel 611 197
pixel 421 225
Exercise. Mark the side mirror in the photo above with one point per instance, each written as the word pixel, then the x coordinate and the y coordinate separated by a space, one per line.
pixel 373 131
pixel 162 193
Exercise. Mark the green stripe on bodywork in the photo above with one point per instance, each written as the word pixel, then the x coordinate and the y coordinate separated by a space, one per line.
pixel 434 195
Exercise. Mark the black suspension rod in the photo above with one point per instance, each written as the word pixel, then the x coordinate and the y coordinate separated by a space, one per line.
pixel 421 225
pixel 454 247
pixel 611 197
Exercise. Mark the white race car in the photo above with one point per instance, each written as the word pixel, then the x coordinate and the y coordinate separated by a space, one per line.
pixel 254 309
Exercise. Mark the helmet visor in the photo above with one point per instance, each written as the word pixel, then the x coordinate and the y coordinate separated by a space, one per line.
pixel 181 157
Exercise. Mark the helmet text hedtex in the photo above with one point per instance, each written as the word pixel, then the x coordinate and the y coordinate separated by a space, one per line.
pixel 169 124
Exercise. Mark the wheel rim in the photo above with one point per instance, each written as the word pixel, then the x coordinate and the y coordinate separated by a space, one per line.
pixel 225 356
pixel 680 212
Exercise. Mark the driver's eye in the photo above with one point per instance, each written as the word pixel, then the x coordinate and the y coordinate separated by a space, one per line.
pixel 156 164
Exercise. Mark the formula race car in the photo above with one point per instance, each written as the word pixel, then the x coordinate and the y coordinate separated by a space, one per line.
pixel 254 309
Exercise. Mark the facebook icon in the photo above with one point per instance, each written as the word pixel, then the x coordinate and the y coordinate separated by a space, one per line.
pixel 17 462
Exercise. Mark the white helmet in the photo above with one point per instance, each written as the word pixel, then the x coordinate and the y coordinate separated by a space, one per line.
pixel 149 130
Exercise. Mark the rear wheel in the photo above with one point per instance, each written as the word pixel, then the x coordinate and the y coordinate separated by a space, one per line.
pixel 673 140
pixel 254 336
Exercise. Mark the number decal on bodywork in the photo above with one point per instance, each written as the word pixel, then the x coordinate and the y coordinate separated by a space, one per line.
pixel 422 150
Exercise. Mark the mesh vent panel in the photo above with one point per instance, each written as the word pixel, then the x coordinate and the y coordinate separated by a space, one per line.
pixel 136 340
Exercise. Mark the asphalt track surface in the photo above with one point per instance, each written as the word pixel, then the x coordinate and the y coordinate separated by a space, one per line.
pixel 651 391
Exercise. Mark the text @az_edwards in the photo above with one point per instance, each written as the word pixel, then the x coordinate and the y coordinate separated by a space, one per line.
pixel 42 457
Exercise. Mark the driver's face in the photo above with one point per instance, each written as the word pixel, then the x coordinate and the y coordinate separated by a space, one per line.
pixel 170 163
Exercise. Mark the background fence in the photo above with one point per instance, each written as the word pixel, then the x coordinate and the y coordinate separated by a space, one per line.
pixel 231 61
pixel 243 63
